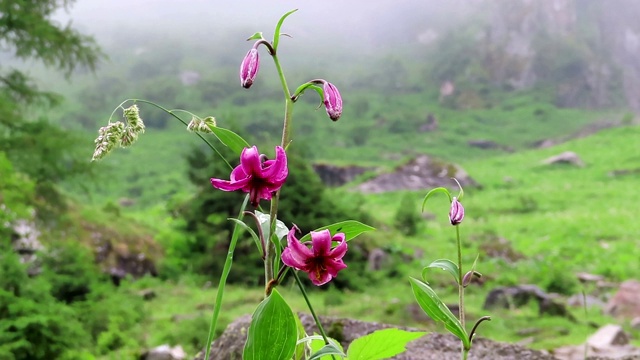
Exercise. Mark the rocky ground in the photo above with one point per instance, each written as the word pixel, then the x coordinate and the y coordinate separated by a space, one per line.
pixel 430 347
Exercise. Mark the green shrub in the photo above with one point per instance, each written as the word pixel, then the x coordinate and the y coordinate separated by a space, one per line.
pixel 33 325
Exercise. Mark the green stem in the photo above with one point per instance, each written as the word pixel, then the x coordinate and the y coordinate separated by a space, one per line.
pixel 269 250
pixel 223 278
pixel 185 124
pixel 313 313
pixel 465 351
pixel 460 287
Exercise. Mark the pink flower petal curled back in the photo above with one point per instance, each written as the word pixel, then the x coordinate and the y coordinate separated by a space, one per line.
pixel 332 101
pixel 260 178
pixel 321 262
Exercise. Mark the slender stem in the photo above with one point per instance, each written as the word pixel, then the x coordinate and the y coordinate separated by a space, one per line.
pixel 460 287
pixel 269 249
pixel 185 124
pixel 313 313
pixel 223 278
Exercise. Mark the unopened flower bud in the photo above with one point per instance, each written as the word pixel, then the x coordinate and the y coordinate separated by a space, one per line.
pixel 466 279
pixel 456 213
pixel 332 101
pixel 249 68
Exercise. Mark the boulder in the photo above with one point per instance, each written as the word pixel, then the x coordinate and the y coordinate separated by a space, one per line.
pixel 431 124
pixel 608 342
pixel 420 173
pixel 165 352
pixel 376 259
pixel 432 346
pixel 488 145
pixel 625 304
pixel 567 157
pixel 332 175
pixel 517 296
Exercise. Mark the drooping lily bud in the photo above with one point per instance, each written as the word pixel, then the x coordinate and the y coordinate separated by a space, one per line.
pixel 456 213
pixel 249 68
pixel 468 277
pixel 332 101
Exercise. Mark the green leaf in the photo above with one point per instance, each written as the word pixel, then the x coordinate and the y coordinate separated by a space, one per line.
pixel 317 344
pixel 232 140
pixel 255 237
pixel 273 331
pixel 276 34
pixel 302 88
pixel 433 191
pixel 301 347
pixel 350 228
pixel 446 265
pixel 256 36
pixel 326 351
pixel 437 310
pixel 265 222
pixel 381 344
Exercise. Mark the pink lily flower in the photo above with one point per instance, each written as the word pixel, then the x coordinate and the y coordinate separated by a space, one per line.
pixel 256 175
pixel 321 262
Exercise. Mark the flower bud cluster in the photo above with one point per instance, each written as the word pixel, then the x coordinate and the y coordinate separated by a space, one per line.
pixel 201 125
pixel 108 138
pixel 118 134
pixel 132 115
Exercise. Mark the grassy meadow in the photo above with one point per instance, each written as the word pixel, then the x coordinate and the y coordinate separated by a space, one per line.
pixel 150 208
pixel 559 220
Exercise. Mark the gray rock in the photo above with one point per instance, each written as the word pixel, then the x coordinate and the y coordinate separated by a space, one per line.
pixel 430 347
pixel 516 296
pixel 165 352
pixel 609 342
pixel 626 302
pixel 567 157
pixel 423 172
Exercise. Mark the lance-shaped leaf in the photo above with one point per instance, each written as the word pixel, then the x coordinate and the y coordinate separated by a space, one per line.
pixel 381 344
pixel 444 264
pixel 437 310
pixel 276 34
pixel 256 36
pixel 433 191
pixel 322 351
pixel 232 140
pixel 302 348
pixel 350 228
pixel 273 332
pixel 246 227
